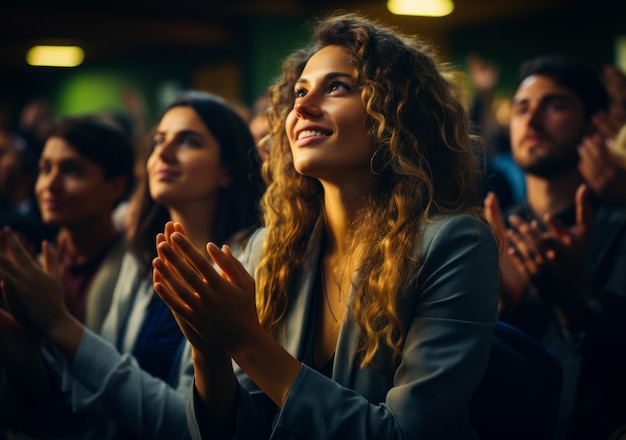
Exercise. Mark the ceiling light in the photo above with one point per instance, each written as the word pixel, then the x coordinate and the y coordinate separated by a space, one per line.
pixel 55 56
pixel 427 8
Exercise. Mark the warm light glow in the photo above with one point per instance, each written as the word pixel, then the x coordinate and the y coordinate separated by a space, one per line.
pixel 427 8
pixel 55 56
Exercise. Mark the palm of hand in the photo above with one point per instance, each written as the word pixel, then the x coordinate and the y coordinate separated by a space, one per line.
pixel 37 293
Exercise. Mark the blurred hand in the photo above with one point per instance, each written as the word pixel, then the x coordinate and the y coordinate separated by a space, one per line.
pixel 513 281
pixel 553 259
pixel 483 74
pixel 603 168
pixel 614 80
pixel 39 294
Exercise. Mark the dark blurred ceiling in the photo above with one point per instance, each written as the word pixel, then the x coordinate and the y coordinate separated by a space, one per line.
pixel 118 28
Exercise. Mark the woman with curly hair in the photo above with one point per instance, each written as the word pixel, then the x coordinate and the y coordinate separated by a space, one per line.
pixel 374 299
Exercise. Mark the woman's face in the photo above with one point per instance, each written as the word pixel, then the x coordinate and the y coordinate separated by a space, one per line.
pixel 72 189
pixel 326 128
pixel 185 165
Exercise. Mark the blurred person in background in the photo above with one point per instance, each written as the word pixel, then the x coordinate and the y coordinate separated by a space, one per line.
pixel 18 172
pixel 132 379
pixel 603 153
pixel 563 278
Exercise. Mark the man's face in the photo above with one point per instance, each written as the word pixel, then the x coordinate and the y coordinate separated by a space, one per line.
pixel 547 124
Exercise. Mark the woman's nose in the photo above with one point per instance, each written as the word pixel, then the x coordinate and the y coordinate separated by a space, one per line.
pixel 308 105
pixel 52 180
pixel 167 150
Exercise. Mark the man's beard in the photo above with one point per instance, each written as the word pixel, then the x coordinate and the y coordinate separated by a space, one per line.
pixel 553 164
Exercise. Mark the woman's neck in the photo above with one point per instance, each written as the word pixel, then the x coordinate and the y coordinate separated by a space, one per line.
pixel 340 208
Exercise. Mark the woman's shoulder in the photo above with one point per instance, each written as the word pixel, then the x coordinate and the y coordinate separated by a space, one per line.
pixel 455 231
pixel 250 253
pixel 465 221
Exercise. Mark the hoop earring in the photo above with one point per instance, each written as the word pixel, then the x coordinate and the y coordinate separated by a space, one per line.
pixel 376 173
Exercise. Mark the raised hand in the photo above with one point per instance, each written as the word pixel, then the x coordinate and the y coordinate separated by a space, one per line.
pixel 38 294
pixel 568 248
pixel 553 259
pixel 514 281
pixel 603 168
pixel 186 281
pixel 614 80
pixel 211 304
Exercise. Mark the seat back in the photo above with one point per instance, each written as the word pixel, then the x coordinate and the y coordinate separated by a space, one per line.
pixel 518 397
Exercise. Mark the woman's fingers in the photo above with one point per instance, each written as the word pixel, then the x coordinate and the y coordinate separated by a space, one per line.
pixel 191 258
pixel 172 291
pixel 231 267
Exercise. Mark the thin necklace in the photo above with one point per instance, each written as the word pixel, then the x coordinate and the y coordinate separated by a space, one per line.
pixel 323 273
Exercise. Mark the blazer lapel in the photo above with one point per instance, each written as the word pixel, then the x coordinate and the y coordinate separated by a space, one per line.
pixel 297 319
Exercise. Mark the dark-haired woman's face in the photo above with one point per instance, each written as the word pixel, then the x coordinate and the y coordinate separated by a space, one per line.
pixel 72 189
pixel 185 166
pixel 326 128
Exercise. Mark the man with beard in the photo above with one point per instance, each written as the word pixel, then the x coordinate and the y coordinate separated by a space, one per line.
pixel 564 249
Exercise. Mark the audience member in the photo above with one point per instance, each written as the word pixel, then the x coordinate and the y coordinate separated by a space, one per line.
pixel 36 119
pixel 18 171
pixel 603 153
pixel 133 380
pixel 85 170
pixel 376 276
pixel 502 175
pixel 563 277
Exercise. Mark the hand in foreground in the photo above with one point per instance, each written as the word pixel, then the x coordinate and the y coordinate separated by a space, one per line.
pixel 219 308
pixel 182 278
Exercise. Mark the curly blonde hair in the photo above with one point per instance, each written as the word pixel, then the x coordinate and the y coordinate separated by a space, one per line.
pixel 423 156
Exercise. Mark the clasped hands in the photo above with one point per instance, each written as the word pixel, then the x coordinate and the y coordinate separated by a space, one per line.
pixel 212 296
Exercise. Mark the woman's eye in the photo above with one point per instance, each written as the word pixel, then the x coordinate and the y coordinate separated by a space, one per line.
pixel 558 106
pixel 519 110
pixel 74 170
pixel 190 141
pixel 338 85
pixel 299 93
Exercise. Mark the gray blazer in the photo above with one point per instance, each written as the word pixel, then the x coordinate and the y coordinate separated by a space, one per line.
pixel 449 319
pixel 102 286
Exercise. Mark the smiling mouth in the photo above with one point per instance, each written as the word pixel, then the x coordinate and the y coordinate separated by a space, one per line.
pixel 311 133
